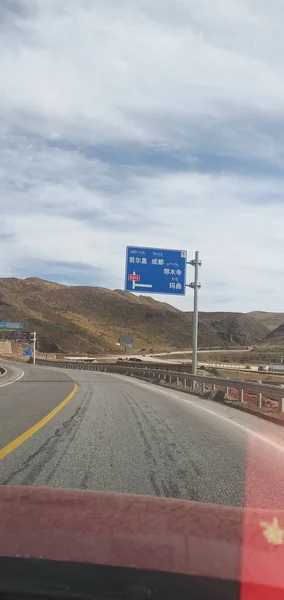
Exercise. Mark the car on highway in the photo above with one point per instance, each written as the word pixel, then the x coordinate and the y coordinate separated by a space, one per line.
pixel 135 359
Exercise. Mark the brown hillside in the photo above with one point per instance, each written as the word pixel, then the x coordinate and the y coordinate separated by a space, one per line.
pixel 89 319
pixel 274 338
pixel 269 320
pixel 235 328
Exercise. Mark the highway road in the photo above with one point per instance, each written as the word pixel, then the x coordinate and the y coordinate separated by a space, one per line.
pixel 207 351
pixel 116 433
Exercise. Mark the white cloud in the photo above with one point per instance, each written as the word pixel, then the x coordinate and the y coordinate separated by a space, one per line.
pixel 101 98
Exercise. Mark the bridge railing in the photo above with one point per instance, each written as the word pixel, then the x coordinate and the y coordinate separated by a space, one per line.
pixel 260 392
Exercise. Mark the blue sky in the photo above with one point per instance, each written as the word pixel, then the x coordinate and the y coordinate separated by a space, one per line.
pixel 144 123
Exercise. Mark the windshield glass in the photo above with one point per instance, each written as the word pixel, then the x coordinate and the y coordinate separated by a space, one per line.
pixel 141 324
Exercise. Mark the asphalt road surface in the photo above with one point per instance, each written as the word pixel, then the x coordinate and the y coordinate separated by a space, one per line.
pixel 124 435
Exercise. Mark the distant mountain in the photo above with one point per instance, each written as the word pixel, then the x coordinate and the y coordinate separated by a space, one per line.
pixel 90 319
pixel 235 328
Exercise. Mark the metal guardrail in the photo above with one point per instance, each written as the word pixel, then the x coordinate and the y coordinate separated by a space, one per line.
pixel 222 365
pixel 186 380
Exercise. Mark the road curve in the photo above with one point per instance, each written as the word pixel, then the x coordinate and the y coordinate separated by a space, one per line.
pixel 27 394
pixel 120 434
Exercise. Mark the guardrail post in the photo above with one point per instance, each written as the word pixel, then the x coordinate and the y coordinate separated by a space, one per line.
pixel 178 380
pixel 259 399
pixel 170 379
pixel 227 390
pixel 203 386
pixel 281 405
pixel 184 383
pixel 241 395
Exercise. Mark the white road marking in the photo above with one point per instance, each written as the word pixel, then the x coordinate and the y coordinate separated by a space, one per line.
pixel 261 437
pixel 14 380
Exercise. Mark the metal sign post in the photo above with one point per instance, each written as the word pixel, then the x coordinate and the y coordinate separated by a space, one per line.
pixel 163 271
pixel 33 344
pixel 196 263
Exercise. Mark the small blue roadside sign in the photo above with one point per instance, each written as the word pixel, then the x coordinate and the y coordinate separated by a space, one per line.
pixel 155 271
pixel 27 352
pixel 11 325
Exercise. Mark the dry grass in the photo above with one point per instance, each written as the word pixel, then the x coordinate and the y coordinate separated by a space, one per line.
pixel 89 319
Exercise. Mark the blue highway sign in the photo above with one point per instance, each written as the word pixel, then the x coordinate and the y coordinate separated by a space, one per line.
pixel 27 352
pixel 11 325
pixel 155 271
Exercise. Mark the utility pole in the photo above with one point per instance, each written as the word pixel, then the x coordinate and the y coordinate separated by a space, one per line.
pixel 196 263
pixel 33 344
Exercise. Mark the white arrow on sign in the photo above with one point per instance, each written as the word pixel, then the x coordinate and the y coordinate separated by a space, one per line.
pixel 147 285
pixel 140 285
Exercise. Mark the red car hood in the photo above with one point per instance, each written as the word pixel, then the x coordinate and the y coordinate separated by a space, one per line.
pixel 142 532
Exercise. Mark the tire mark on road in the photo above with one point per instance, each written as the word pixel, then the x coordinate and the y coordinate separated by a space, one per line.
pixel 87 480
pixel 178 482
pixel 31 467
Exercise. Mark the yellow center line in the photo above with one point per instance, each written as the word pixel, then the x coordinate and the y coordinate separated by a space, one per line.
pixel 27 434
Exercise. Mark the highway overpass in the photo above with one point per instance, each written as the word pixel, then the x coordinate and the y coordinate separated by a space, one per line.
pixel 113 433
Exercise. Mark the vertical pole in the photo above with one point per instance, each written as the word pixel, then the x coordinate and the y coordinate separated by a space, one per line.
pixel 34 347
pixel 195 314
pixel 196 263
